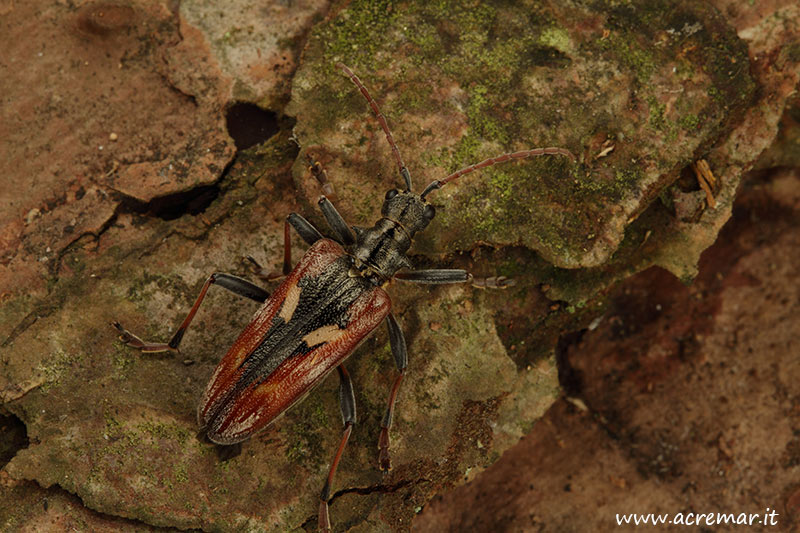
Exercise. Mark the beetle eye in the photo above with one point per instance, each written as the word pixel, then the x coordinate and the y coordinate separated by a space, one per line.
pixel 429 212
pixel 391 193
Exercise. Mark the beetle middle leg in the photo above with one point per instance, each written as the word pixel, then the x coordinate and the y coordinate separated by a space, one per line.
pixel 234 284
pixel 397 341
pixel 438 276
pixel 347 403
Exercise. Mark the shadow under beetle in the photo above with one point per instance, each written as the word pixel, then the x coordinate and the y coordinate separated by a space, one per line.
pixel 323 309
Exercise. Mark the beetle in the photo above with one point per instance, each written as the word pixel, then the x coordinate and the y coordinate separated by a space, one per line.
pixel 324 307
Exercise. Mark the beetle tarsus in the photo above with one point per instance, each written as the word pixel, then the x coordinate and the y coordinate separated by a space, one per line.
pixel 133 341
pixel 384 459
pixel 318 171
pixel 263 273
pixel 494 282
pixel 124 335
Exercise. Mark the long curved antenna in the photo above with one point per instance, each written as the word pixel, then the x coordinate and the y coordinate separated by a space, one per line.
pixel 438 184
pixel 382 120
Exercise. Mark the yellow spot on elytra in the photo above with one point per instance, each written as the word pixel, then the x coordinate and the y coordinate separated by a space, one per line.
pixel 324 334
pixel 290 303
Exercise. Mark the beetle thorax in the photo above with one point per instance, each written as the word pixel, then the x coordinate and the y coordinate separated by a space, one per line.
pixel 380 251
pixel 408 210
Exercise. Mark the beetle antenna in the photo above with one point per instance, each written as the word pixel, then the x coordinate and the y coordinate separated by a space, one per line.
pixel 382 120
pixel 437 184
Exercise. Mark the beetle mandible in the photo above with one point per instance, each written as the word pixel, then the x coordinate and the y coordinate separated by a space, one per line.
pixel 326 305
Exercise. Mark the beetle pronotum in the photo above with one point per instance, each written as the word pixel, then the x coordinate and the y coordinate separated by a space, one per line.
pixel 326 305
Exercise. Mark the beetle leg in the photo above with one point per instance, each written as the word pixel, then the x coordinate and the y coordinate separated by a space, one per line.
pixel 440 276
pixel 319 173
pixel 347 403
pixel 234 284
pixel 398 343
pixel 307 232
pixel 261 272
pixel 435 276
pixel 494 282
pixel 304 228
pixel 336 222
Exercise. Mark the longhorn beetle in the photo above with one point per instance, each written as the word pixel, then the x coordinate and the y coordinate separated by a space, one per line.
pixel 323 309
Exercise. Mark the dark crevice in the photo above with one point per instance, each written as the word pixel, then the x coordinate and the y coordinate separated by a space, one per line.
pixel 169 207
pixel 49 304
pixel 570 378
pixel 56 492
pixel 250 125
pixel 173 206
pixel 24 324
pixel 55 268
pixel 187 97
pixel 310 522
pixel 43 308
pixel 13 437
pixel 380 488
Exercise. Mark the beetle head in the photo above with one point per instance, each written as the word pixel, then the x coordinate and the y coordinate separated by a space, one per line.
pixel 409 209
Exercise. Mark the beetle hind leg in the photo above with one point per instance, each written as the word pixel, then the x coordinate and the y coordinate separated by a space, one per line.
pixel 398 344
pixel 347 402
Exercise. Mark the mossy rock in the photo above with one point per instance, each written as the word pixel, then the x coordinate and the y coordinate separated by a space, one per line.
pixel 636 90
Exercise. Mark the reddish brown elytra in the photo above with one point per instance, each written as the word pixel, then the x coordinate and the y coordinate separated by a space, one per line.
pixel 326 305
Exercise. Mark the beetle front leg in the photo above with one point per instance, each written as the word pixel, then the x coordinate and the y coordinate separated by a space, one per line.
pixel 397 341
pixel 336 222
pixel 234 284
pixel 347 403
pixel 318 171
pixel 332 216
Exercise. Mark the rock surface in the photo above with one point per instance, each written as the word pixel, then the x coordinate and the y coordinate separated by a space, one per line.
pixel 126 191
pixel 637 91
pixel 687 398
